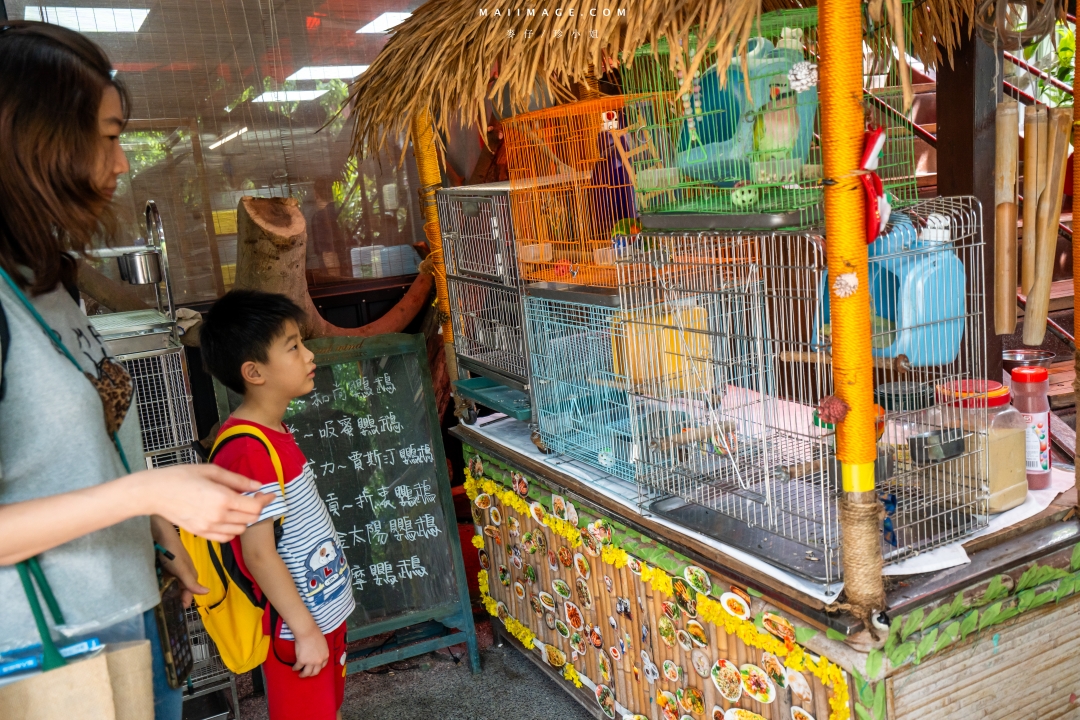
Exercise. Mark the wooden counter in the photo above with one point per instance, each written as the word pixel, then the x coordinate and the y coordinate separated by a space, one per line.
pixel 1026 576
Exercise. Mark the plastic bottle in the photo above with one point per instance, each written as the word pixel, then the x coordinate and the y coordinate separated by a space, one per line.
pixel 982 407
pixel 1030 387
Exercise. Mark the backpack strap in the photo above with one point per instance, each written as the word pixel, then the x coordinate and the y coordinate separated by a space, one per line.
pixel 237 431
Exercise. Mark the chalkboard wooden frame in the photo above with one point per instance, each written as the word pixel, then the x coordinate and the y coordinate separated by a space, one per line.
pixel 428 629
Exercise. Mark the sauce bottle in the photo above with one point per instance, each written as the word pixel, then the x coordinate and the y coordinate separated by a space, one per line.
pixel 1030 388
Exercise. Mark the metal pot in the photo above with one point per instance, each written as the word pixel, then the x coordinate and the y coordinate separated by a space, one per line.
pixel 1023 357
pixel 141 268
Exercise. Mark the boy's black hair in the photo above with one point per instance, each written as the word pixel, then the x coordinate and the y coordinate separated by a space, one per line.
pixel 239 328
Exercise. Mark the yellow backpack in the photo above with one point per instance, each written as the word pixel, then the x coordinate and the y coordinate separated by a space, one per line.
pixel 231 612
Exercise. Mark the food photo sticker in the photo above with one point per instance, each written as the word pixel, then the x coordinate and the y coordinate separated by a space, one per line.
pixel 685 596
pixel 797 713
pixel 571 514
pixel 756 683
pixel 698 579
pixel 683 638
pixel 581 564
pixel 701 663
pixel 537 511
pixel 727 679
pixel 584 595
pixel 561 588
pixel 558 506
pixel 691 700
pixel 735 605
pixel 697 633
pixel 800 688
pixel 605 698
pixel 778 626
pixel 774 669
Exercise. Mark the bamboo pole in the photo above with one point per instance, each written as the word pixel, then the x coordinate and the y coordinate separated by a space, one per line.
pixel 1059 126
pixel 1076 213
pixel 1008 128
pixel 1034 181
pixel 842 125
pixel 427 166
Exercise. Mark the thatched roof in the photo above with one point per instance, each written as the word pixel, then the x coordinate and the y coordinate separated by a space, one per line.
pixel 441 59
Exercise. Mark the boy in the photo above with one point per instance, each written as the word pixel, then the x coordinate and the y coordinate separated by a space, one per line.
pixel 251 343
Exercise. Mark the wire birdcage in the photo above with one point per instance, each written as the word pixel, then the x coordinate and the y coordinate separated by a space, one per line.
pixel 747 141
pixel 572 200
pixel 208 671
pixel 580 400
pixel 163 399
pixel 483 283
pixel 729 354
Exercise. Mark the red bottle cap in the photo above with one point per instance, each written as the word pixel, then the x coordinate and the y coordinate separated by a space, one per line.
pixel 1029 375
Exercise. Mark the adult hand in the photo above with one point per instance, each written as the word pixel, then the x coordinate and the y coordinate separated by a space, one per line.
pixel 203 499
pixel 181 566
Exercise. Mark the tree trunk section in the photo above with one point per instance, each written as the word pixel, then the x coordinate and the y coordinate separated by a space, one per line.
pixel 271 255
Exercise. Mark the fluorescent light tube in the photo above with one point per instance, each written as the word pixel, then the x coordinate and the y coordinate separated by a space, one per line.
pixel 384 23
pixel 89 20
pixel 328 72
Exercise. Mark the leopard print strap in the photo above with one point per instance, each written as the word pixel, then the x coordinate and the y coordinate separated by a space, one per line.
pixel 116 389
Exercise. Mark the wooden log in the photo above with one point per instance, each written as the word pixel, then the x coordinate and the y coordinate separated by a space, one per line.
pixel 271 252
pixel 1034 181
pixel 1008 127
pixel 1059 125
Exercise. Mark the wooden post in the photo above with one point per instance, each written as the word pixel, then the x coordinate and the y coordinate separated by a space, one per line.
pixel 1008 140
pixel 842 129
pixel 969 90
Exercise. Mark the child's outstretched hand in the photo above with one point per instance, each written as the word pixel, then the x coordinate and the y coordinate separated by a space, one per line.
pixel 312 653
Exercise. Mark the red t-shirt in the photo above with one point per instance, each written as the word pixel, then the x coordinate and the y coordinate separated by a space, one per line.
pixel 309 544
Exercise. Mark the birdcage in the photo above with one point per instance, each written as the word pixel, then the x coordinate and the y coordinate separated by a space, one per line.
pixel 483 282
pixel 208 671
pixel 163 399
pixel 571 198
pixel 743 145
pixel 580 401
pixel 733 356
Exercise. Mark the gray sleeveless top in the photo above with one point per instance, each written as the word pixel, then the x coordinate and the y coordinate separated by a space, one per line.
pixel 53 440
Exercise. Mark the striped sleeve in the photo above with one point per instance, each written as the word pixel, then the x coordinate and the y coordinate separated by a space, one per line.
pixel 249 458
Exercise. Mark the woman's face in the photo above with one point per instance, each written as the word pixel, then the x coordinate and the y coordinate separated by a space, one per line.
pixel 111 159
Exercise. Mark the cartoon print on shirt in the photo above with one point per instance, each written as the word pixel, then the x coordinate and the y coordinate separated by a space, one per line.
pixel 327 574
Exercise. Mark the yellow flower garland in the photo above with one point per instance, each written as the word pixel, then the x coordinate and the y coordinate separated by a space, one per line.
pixel 709 610
pixel 478 542
pixel 570 674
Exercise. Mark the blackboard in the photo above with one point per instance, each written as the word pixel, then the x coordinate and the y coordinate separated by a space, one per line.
pixel 370 433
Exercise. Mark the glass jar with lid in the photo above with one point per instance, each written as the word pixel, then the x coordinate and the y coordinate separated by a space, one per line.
pixel 994 439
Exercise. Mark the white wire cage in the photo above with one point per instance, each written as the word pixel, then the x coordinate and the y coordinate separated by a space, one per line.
pixel 163 399
pixel 727 346
pixel 579 390
pixel 483 283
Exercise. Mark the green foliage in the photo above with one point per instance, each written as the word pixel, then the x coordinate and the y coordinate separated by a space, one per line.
pixel 805 634
pixel 912 623
pixel 249 92
pixel 835 635
pixel 753 592
pixel 1074 563
pixel 862 712
pixel 1065 588
pixel 900 654
pixel 879 702
pixel 926 644
pixel 990 616
pixel 995 590
pixel 969 624
pixel 1039 575
pixel 942 612
pixel 873 664
pixel 947 636
pixel 863 690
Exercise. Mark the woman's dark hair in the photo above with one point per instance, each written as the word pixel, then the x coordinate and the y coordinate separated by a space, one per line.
pixel 239 328
pixel 51 88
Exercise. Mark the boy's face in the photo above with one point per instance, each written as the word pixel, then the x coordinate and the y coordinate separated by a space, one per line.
pixel 289 369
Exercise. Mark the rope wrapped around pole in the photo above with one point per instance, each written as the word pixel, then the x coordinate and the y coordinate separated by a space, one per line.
pixel 842 127
pixel 427 166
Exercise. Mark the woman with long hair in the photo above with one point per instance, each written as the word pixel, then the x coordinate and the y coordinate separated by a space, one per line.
pixel 67 496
